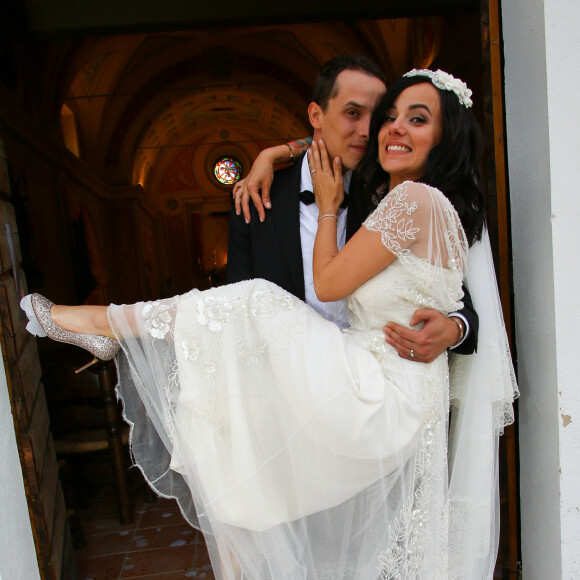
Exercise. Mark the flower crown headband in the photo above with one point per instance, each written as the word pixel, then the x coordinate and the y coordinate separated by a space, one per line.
pixel 445 82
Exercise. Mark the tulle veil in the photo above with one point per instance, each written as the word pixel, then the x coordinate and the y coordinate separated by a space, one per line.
pixel 482 388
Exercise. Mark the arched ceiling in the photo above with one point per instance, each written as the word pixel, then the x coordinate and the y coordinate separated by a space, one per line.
pixel 140 100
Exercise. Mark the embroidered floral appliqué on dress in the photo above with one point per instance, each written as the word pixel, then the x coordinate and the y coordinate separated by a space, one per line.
pixel 312 452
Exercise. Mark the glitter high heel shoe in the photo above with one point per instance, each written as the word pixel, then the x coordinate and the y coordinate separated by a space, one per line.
pixel 37 308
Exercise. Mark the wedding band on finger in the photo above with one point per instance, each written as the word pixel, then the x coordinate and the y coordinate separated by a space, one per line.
pixel 412 353
pixel 313 171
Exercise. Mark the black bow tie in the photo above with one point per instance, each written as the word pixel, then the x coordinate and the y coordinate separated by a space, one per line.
pixel 307 197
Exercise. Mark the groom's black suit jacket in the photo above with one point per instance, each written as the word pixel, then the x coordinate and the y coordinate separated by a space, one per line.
pixel 272 250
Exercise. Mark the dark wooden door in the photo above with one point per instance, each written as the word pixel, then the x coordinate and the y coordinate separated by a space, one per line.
pixel 29 410
pixel 508 562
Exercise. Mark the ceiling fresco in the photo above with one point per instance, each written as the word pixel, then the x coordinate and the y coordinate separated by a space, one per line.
pixel 142 103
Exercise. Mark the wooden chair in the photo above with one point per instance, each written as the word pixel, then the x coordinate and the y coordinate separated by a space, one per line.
pixel 86 417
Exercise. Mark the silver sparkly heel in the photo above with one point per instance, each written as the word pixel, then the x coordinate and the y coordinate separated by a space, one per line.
pixel 101 347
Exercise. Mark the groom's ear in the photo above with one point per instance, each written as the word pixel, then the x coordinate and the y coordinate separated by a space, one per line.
pixel 315 114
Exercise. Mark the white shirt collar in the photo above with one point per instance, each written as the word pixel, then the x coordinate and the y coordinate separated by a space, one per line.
pixel 306 177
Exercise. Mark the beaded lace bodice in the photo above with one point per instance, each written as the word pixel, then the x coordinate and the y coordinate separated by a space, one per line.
pixel 396 292
pixel 423 276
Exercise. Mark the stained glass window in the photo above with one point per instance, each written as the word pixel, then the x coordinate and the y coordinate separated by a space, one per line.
pixel 228 170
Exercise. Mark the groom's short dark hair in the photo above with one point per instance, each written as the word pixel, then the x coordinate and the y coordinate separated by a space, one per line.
pixel 325 84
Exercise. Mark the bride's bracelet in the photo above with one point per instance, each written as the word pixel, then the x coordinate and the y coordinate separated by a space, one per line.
pixel 328 215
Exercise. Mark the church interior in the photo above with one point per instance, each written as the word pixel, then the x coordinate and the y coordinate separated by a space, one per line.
pixel 109 146
pixel 120 198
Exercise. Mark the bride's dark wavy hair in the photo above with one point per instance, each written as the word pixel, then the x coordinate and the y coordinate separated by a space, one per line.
pixel 453 165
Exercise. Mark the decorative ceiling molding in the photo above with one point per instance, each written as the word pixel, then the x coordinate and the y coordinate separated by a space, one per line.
pixel 178 83
pixel 93 70
pixel 153 45
pixel 140 100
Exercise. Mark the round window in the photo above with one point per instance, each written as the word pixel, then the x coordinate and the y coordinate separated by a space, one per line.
pixel 228 170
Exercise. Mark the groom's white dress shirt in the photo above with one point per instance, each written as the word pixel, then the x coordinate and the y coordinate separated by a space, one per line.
pixel 333 311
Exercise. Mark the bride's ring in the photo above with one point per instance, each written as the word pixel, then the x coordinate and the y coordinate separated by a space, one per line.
pixel 412 353
pixel 313 171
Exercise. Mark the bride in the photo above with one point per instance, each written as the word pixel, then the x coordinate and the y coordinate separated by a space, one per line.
pixel 303 451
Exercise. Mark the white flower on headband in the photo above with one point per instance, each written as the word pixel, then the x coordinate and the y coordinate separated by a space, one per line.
pixel 445 82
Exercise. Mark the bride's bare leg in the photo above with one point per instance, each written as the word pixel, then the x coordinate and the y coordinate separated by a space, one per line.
pixel 83 319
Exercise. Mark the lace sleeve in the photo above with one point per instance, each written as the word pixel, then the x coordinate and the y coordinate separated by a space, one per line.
pixel 417 219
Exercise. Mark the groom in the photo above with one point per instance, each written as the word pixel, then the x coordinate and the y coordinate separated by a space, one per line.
pixel 280 248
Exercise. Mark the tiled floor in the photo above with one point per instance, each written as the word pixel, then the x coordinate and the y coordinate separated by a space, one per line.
pixel 158 545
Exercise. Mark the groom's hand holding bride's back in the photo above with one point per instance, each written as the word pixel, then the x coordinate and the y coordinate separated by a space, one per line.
pixel 437 334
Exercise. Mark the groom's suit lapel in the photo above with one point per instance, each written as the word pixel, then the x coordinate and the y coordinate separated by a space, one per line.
pixel 284 223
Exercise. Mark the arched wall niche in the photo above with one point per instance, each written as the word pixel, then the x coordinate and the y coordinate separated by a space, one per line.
pixel 229 117
pixel 187 174
pixel 276 107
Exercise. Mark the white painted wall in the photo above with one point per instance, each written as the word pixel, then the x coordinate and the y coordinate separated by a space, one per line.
pixel 562 48
pixel 541 44
pixel 17 554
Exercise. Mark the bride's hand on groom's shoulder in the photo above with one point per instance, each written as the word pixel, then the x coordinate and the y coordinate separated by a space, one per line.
pixel 256 186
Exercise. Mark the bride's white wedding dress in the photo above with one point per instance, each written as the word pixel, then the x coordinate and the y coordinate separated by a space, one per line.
pixel 300 450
